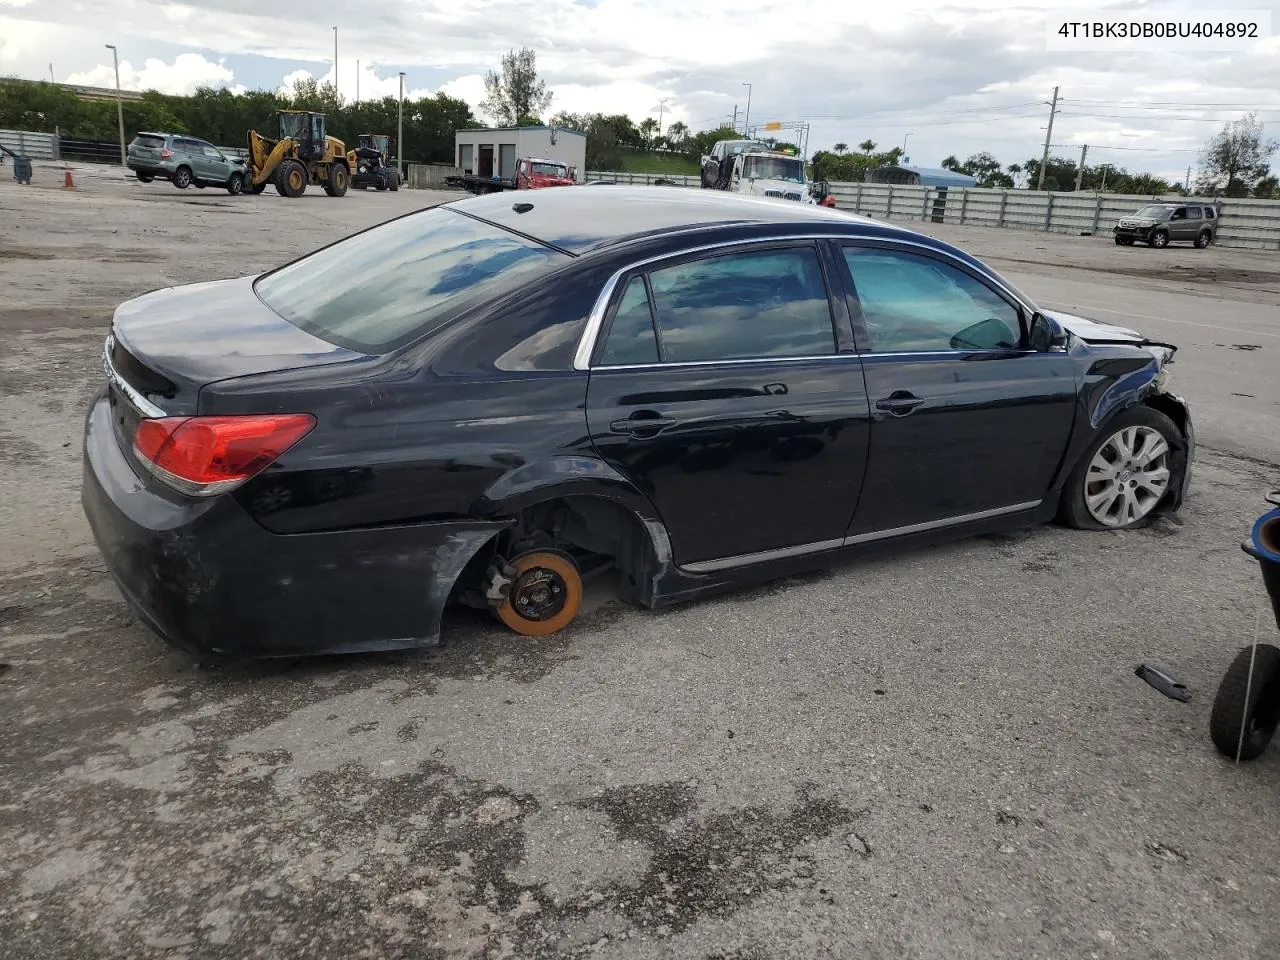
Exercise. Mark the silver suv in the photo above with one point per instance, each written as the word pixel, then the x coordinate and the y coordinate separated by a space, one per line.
pixel 1160 224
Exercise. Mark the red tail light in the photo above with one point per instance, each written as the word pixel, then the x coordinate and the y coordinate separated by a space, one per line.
pixel 166 154
pixel 203 456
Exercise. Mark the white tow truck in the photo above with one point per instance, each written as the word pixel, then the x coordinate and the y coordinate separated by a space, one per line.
pixel 749 166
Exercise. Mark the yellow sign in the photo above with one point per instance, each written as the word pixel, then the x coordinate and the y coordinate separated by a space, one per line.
pixel 773 125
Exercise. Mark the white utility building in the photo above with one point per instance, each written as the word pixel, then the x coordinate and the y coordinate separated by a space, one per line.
pixel 493 152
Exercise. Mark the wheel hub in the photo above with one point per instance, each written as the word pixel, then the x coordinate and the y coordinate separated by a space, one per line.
pixel 538 594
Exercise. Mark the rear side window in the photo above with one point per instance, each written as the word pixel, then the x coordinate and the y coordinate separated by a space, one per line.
pixel 379 289
pixel 1210 213
pixel 1193 213
pixel 737 306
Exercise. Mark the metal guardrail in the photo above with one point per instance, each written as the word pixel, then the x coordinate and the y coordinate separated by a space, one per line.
pixel 1243 224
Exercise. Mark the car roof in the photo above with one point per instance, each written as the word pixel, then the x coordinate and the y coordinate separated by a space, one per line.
pixel 583 220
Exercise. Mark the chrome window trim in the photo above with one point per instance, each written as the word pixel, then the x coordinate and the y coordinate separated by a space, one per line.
pixel 800 550
pixel 140 403
pixel 595 319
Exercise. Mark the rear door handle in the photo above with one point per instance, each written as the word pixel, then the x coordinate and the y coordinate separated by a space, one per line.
pixel 899 403
pixel 643 423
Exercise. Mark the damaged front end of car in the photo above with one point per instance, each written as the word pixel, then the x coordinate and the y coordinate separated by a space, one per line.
pixel 1124 368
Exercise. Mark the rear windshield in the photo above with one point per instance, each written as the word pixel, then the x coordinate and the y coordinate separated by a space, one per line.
pixel 148 140
pixel 379 289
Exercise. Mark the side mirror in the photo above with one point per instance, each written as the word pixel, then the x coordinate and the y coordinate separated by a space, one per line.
pixel 1046 336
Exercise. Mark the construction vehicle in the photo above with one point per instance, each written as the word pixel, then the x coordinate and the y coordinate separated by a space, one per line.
pixel 370 163
pixel 301 154
pixel 752 167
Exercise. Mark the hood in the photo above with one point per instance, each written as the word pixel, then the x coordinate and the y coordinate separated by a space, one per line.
pixel 782 189
pixel 1091 331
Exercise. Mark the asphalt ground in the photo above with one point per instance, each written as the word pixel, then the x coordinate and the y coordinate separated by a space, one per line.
pixel 941 754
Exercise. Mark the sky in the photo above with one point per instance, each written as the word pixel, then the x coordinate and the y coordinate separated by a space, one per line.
pixel 942 77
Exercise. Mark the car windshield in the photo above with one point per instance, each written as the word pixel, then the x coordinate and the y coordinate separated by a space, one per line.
pixel 775 168
pixel 549 169
pixel 733 149
pixel 386 286
pixel 1153 212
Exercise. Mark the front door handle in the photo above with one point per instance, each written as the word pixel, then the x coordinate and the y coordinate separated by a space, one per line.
pixel 899 403
pixel 643 423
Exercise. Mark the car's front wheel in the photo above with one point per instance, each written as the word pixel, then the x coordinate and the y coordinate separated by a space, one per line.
pixel 1160 239
pixel 235 183
pixel 1124 474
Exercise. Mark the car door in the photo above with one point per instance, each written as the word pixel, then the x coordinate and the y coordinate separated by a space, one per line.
pixel 1191 225
pixel 725 386
pixel 1178 225
pixel 217 169
pixel 967 422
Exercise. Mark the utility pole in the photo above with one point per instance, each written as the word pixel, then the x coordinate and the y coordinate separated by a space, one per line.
pixel 746 122
pixel 1186 184
pixel 357 81
pixel 51 80
pixel 335 63
pixel 1084 152
pixel 661 103
pixel 1048 135
pixel 735 117
pixel 115 56
pixel 400 131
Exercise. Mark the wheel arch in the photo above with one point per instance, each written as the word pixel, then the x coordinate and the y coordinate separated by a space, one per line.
pixel 617 518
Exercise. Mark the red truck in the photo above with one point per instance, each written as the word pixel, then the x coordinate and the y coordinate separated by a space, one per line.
pixel 532 173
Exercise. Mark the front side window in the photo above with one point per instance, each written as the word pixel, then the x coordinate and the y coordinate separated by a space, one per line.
pixel 1179 214
pixel 737 306
pixel 1193 213
pixel 378 289
pixel 913 303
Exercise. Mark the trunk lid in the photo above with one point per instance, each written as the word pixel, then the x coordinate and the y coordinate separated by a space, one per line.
pixel 167 345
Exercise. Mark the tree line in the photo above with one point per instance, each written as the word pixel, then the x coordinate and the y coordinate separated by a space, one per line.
pixel 1235 162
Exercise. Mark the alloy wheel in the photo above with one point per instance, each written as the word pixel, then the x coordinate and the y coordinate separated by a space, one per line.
pixel 1127 477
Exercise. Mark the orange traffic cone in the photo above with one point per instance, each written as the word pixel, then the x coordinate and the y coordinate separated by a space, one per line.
pixel 67 181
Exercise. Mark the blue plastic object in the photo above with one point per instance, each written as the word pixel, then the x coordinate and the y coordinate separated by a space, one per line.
pixel 22 169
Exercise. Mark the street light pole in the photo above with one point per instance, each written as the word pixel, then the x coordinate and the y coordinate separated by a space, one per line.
pixel 746 123
pixel 904 146
pixel 335 63
pixel 115 56
pixel 661 104
pixel 400 131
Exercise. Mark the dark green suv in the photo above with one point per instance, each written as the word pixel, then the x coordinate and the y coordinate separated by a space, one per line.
pixel 185 162
pixel 1160 224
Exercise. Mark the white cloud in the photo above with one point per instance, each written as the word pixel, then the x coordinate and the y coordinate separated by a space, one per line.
pixel 187 73
pixel 853 70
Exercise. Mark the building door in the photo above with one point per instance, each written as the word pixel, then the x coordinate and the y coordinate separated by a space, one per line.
pixel 485 168
pixel 506 160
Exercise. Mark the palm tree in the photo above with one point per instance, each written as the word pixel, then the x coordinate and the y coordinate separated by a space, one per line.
pixel 866 146
pixel 841 147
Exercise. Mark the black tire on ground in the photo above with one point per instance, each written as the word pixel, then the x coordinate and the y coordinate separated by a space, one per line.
pixel 1255 706
pixel 291 179
pixel 395 180
pixel 181 178
pixel 1160 239
pixel 235 184
pixel 1072 509
pixel 336 185
pixel 256 188
pixel 1119 241
pixel 1128 241
pixel 1204 239
pixel 145 177
pixel 199 185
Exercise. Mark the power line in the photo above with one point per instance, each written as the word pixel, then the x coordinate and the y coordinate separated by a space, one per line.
pixel 1131 116
pixel 1144 104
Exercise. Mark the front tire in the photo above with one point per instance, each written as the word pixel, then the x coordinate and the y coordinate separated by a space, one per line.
pixel 1248 707
pixel 1160 239
pixel 336 184
pixel 545 594
pixel 235 184
pixel 1125 473
pixel 182 178
pixel 291 179
pixel 1204 239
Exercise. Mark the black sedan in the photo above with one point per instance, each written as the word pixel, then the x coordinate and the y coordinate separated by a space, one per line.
pixel 487 400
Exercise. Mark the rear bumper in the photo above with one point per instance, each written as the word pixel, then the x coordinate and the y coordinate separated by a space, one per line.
pixel 207 578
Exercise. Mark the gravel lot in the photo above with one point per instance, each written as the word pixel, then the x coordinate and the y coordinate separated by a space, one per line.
pixel 942 754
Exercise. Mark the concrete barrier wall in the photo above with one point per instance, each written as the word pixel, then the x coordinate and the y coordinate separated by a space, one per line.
pixel 428 176
pixel 1247 224
pixel 37 146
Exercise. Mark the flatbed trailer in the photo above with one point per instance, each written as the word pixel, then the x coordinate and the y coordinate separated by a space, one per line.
pixel 478 185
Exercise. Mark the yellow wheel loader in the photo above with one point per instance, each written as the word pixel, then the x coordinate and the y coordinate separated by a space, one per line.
pixel 300 155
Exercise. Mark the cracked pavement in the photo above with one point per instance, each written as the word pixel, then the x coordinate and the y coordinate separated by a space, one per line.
pixel 939 754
